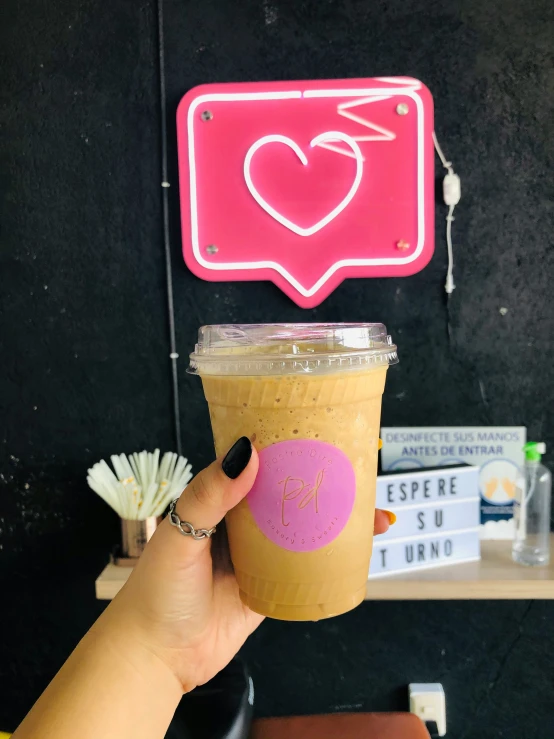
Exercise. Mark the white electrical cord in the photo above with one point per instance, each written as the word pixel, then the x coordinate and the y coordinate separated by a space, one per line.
pixel 452 193
pixel 449 285
pixel 446 164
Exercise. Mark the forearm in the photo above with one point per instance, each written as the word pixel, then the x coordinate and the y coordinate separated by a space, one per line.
pixel 111 687
pixel 172 627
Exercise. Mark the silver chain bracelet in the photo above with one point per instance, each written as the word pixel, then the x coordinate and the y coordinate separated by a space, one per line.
pixel 186 528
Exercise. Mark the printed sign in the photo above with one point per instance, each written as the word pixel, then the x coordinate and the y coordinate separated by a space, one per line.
pixel 303 494
pixel 307 183
pixel 498 450
pixel 448 516
pixel 450 484
pixel 437 519
pixel 432 550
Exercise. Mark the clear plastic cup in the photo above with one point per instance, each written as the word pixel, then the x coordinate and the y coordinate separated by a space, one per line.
pixel 309 396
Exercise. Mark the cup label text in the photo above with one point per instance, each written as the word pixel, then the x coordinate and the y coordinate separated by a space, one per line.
pixel 303 495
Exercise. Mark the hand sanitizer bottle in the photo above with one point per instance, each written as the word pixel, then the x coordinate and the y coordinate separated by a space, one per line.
pixel 531 545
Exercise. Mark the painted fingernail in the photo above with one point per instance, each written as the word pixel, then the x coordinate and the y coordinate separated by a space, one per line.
pixel 237 458
pixel 391 517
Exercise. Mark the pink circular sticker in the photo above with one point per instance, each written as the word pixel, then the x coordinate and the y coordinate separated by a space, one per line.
pixel 303 494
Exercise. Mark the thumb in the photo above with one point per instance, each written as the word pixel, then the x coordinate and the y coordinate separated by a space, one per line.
pixel 219 487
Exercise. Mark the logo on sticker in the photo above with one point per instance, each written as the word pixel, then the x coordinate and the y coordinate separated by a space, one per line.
pixel 303 494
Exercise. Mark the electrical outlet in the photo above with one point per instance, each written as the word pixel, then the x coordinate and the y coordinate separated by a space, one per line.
pixel 428 702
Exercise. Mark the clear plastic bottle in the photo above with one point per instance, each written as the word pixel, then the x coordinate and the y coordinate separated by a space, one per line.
pixel 531 545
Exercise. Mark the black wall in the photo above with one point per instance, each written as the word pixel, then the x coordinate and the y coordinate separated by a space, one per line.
pixel 84 328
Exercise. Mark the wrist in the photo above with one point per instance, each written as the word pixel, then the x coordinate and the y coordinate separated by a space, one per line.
pixel 111 685
pixel 125 641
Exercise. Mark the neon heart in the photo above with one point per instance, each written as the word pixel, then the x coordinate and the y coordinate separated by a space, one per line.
pixel 278 139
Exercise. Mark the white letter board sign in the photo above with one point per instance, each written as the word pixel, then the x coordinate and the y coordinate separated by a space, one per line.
pixel 437 519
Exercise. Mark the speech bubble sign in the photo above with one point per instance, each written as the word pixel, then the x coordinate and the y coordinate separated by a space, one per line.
pixel 307 183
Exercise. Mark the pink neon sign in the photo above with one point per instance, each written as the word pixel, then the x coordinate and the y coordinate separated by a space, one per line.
pixel 307 183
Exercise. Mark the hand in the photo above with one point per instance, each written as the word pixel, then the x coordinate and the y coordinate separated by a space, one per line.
pixel 490 487
pixel 179 606
pixel 509 487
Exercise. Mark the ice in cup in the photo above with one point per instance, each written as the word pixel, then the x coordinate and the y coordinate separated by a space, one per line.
pixel 309 396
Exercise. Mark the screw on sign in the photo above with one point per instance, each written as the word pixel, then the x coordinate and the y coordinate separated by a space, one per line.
pixel 307 183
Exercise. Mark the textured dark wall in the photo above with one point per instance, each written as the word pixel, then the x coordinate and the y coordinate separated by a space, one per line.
pixel 84 330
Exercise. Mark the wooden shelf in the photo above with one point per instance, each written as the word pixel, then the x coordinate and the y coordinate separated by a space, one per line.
pixel 495 577
pixel 111 580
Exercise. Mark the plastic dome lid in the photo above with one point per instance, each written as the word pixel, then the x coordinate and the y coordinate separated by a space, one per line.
pixel 291 348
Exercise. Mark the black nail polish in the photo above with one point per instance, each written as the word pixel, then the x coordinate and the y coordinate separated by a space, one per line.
pixel 237 458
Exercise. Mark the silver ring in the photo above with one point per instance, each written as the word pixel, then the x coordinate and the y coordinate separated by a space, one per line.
pixel 186 528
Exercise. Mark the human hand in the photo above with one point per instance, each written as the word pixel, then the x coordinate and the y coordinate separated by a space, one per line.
pixel 490 487
pixel 509 487
pixel 176 603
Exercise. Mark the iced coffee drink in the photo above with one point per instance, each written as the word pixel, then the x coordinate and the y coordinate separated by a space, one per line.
pixel 310 398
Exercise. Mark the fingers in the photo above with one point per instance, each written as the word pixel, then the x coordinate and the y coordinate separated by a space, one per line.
pixel 204 503
pixel 219 487
pixel 222 485
pixel 509 487
pixel 490 487
pixel 383 519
